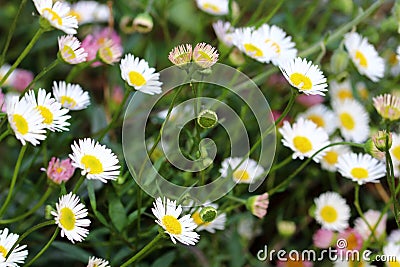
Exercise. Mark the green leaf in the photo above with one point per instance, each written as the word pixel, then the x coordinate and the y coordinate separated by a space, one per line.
pixel 165 260
pixel 117 213
pixel 71 249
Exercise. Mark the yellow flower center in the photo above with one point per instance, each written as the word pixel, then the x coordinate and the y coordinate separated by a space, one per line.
pixel 67 218
pixel 362 60
pixel 68 53
pixel 391 113
pixel 347 121
pixel 241 175
pixel 329 214
pixel 331 157
pixel 253 50
pixel 301 81
pixel 393 59
pixel 352 243
pixel 3 251
pixel 136 78
pixel 203 57
pixel 394 263
pixel 68 101
pixel 75 14
pixel 359 173
pixel 46 114
pixel 59 169
pixel 345 94
pixel 172 225
pixel 396 152
pixel 92 164
pixel 212 7
pixel 318 120
pixel 302 144
pixel 274 45
pixel 54 16
pixel 106 54
pixel 21 124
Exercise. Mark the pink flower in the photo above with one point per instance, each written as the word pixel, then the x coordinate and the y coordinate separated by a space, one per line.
pixel 258 205
pixel 323 238
pixel 309 100
pixel 22 78
pixel 353 240
pixel 2 102
pixel 59 171
pixel 93 42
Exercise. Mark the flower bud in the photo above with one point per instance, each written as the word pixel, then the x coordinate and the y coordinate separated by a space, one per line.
pixel 236 57
pixel 286 228
pixel 207 119
pixel 258 205
pixel 126 25
pixel 371 149
pixel 339 61
pixel 143 23
pixel 379 140
pixel 208 214
pixel 47 212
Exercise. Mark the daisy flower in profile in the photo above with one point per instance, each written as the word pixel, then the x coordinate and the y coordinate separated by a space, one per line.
pixel 305 138
pixel 332 154
pixel 16 255
pixel 97 262
pixel 361 168
pixel 57 15
pixel 181 55
pixel 372 217
pixel 167 214
pixel 353 120
pixel 71 96
pixel 247 172
pixel 305 76
pixel 217 224
pixel 70 216
pixel 283 48
pixel 25 120
pixel 137 73
pixel 223 31
pixel 364 56
pixel 95 160
pixel 53 115
pixel 339 92
pixel 205 55
pixel 388 106
pixel 258 205
pixel 110 52
pixel 332 211
pixel 214 7
pixel 395 148
pixel 253 44
pixel 70 49
pixel 322 117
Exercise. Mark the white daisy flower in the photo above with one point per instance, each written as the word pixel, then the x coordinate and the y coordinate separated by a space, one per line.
pixel 15 256
pixel 214 7
pixel 388 106
pixel 137 73
pixel 253 44
pixel 57 15
pixel 304 138
pixel 247 172
pixel 89 12
pixel 96 160
pixel 71 50
pixel 305 76
pixel 71 96
pixel 25 120
pixel 181 55
pixel 392 253
pixel 372 217
pixel 217 224
pixel 110 52
pixel 361 168
pixel 395 149
pixel 97 262
pixel 353 120
pixel 322 117
pixel 70 216
pixel 332 211
pixel 339 92
pixel 330 159
pixel 167 214
pixel 53 115
pixel 205 55
pixel 283 49
pixel 224 31
pixel 364 56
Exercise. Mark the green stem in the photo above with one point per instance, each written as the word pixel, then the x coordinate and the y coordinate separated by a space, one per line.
pixel 236 199
pixel 10 32
pixel 78 68
pixel 44 248
pixel 305 163
pixel 359 210
pixel 390 178
pixel 41 74
pixel 281 164
pixel 35 208
pixel 143 251
pixel 23 54
pixel 5 134
pixel 116 115
pixel 78 184
pixel 33 229
pixel 13 180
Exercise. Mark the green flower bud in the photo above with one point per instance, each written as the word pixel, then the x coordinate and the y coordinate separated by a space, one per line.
pixel 339 61
pixel 286 228
pixel 47 212
pixel 143 23
pixel 207 119
pixel 379 140
pixel 208 214
pixel 126 25
pixel 371 149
